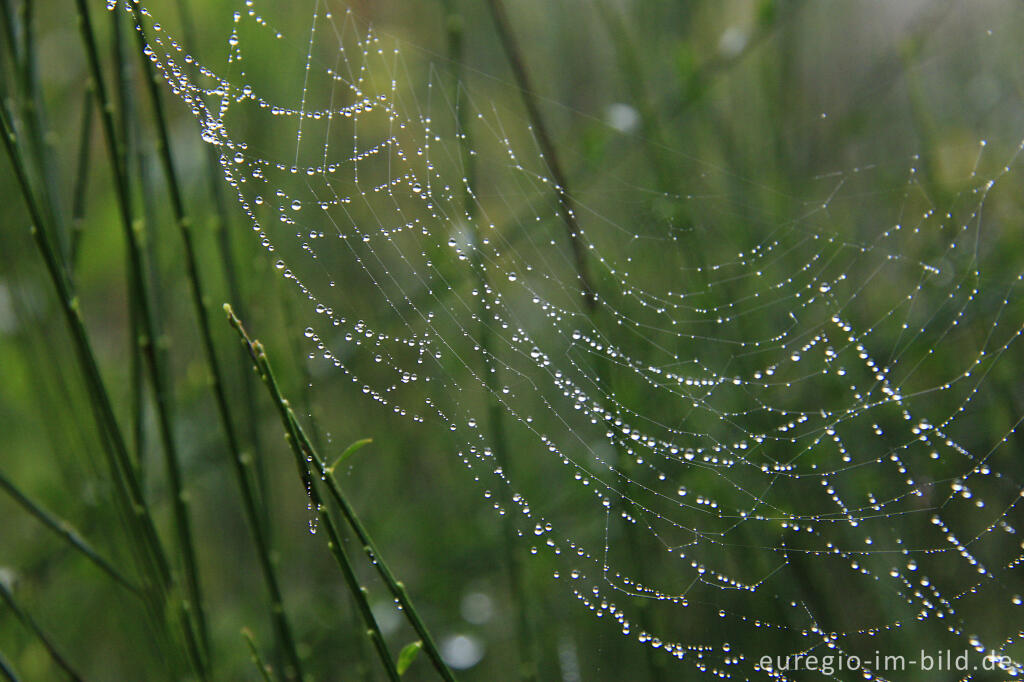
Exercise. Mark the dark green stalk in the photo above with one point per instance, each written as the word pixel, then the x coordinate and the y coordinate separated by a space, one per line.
pixel 66 532
pixel 633 76
pixel 303 449
pixel 335 542
pixel 565 202
pixel 120 461
pixel 396 587
pixel 137 158
pixel 241 461
pixel 653 141
pixel 35 127
pixel 291 321
pixel 41 635
pixel 137 336
pixel 129 496
pixel 10 37
pixel 496 418
pixel 197 642
pixel 256 657
pixel 357 591
pixel 82 173
pixel 7 670
pixel 123 109
pixel 64 438
pixel 700 77
pixel 226 257
pixel 636 551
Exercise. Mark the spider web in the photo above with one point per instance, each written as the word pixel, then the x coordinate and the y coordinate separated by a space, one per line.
pixel 744 420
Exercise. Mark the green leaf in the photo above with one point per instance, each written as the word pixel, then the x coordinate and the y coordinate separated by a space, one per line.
pixel 349 451
pixel 408 655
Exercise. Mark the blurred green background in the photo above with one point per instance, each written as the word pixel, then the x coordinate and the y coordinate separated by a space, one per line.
pixel 688 132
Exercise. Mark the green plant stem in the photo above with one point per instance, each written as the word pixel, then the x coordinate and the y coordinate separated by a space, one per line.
pixel 10 36
pixel 335 541
pixel 632 69
pixel 66 532
pixel 303 448
pixel 82 174
pixel 701 76
pixel 496 420
pixel 358 592
pixel 129 495
pixel 194 617
pixel 242 463
pixel 138 337
pixel 256 657
pixel 35 126
pixel 566 205
pixel 31 624
pixel 7 670
pixel 564 199
pixel 292 322
pixel 226 258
